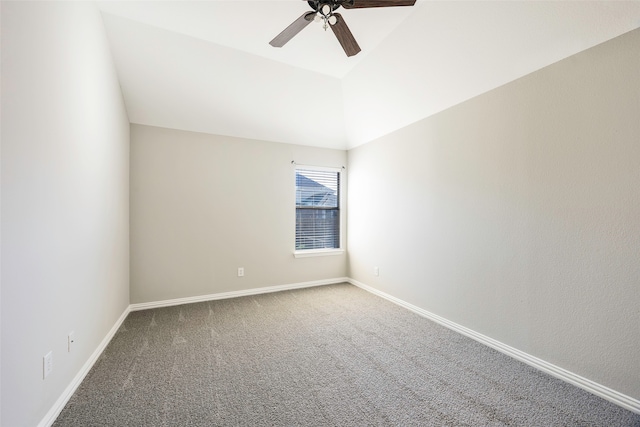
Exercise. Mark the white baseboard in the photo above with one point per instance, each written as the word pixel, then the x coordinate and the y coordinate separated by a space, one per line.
pixel 604 392
pixel 235 294
pixel 57 407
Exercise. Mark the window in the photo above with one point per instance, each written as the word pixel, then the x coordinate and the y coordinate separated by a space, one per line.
pixel 317 209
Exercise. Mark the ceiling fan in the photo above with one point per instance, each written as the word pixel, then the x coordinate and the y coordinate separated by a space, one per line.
pixel 324 10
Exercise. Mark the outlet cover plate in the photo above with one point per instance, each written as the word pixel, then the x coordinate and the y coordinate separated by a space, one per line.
pixel 71 339
pixel 47 364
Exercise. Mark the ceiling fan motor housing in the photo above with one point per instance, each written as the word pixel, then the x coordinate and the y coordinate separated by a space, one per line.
pixel 318 6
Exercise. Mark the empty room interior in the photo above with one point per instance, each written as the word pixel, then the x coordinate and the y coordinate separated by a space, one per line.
pixel 417 215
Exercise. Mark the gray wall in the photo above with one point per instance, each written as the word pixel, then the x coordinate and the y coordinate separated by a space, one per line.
pixel 65 192
pixel 517 214
pixel 203 205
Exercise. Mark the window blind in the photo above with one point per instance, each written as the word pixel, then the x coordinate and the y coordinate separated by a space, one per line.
pixel 317 209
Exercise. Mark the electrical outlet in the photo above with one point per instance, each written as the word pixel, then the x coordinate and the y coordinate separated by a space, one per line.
pixel 47 364
pixel 71 338
pixel 376 271
pixel 240 271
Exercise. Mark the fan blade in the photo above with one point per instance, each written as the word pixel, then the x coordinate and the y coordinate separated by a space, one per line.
pixel 353 4
pixel 344 36
pixel 293 29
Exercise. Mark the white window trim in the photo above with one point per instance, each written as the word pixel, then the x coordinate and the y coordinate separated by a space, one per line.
pixel 322 252
pixel 317 252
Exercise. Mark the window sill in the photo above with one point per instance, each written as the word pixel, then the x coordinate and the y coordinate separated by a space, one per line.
pixel 317 252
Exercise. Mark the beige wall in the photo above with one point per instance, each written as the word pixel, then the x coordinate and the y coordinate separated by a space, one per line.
pixel 65 203
pixel 204 205
pixel 517 214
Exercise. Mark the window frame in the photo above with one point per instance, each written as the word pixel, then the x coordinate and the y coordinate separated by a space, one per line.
pixel 341 203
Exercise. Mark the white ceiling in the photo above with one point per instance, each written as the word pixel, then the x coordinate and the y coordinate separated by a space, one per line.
pixel 206 66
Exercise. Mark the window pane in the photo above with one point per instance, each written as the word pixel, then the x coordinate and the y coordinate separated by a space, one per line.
pixel 317 188
pixel 317 229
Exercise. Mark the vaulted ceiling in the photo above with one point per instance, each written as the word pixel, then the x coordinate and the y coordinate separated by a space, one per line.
pixel 207 66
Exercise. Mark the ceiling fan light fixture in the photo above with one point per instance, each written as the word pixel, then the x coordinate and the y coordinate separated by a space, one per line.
pixel 332 20
pixel 325 10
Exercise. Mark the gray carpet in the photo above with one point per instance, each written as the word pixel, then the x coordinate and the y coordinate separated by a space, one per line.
pixel 331 355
